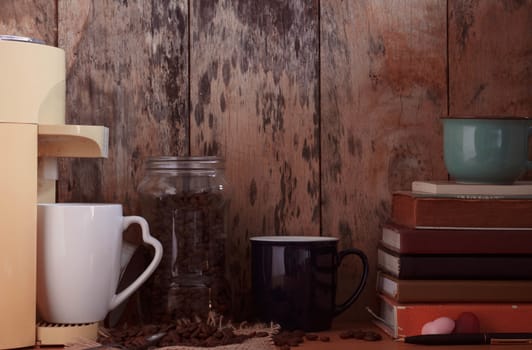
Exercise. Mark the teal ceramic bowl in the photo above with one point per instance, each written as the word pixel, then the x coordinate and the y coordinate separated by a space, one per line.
pixel 491 150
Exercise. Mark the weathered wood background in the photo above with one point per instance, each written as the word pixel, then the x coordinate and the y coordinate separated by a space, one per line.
pixel 321 109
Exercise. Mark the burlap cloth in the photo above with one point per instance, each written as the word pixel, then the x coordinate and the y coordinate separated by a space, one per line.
pixel 255 343
pixel 263 343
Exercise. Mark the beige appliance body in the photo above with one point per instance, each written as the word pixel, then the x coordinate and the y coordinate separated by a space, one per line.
pixel 32 135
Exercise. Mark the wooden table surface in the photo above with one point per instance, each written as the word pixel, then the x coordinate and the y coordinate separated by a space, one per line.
pixel 387 343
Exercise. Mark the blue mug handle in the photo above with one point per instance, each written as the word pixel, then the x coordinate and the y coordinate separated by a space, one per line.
pixel 338 309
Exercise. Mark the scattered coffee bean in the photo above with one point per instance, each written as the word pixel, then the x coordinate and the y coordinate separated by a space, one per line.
pixel 294 342
pixel 182 332
pixel 290 338
pixel 372 336
pixel 311 337
pixel 346 334
pixel 358 334
pixel 325 338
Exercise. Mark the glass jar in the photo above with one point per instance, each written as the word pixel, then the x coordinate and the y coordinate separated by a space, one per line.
pixel 185 203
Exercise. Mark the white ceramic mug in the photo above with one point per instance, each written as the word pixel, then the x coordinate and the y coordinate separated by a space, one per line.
pixel 79 248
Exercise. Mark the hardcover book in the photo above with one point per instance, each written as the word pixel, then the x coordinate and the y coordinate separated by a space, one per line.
pixel 407 240
pixel 420 211
pixel 455 266
pixel 404 319
pixel 518 188
pixel 430 291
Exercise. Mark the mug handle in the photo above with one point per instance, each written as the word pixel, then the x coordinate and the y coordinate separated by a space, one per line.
pixel 150 240
pixel 338 309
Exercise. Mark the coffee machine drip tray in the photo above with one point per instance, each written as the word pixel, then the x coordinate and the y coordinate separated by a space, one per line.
pixel 82 141
pixel 62 334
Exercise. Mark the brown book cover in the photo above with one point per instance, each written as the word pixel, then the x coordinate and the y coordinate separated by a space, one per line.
pixel 455 266
pixel 425 211
pixel 408 240
pixel 446 291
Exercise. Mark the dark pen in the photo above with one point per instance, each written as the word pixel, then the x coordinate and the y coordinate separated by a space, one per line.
pixel 469 339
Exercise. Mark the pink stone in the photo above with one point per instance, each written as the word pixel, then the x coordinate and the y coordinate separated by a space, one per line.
pixel 442 325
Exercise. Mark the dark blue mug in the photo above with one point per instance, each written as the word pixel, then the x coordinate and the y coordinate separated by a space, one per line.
pixel 294 280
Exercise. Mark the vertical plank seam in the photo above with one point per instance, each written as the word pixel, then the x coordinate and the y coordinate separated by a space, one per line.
pixel 447 57
pixel 189 72
pixel 448 64
pixel 318 108
pixel 56 34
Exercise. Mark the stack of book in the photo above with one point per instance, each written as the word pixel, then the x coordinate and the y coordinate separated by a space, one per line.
pixel 450 248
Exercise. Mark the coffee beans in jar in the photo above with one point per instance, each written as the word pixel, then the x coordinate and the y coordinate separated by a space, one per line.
pixel 184 200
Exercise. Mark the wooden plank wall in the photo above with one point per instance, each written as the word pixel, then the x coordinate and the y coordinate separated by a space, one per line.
pixel 490 76
pixel 127 68
pixel 383 88
pixel 254 98
pixel 35 19
pixel 322 109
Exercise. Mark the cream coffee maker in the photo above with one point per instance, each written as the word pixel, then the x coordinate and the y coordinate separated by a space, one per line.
pixel 33 135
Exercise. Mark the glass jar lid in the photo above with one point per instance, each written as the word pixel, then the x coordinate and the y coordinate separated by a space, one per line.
pixel 184 163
